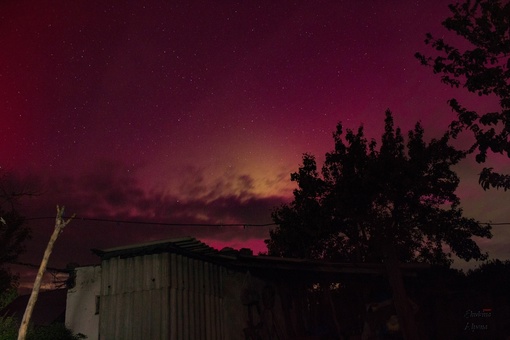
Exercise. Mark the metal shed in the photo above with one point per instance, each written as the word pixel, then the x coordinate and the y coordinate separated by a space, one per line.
pixel 184 289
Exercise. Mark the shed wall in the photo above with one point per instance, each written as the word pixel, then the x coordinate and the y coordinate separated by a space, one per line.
pixel 161 296
pixel 81 314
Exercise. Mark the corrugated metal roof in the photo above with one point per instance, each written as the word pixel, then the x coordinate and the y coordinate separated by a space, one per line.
pixel 186 245
pixel 191 247
pixel 306 265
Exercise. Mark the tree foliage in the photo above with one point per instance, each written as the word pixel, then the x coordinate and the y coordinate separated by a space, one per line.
pixel 7 296
pixel 492 276
pixel 13 234
pixel 13 231
pixel 364 196
pixel 483 69
pixel 9 331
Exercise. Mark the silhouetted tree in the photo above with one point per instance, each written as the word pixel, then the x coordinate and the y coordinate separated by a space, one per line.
pixel 13 231
pixel 483 69
pixel 492 276
pixel 13 234
pixel 367 197
pixel 379 205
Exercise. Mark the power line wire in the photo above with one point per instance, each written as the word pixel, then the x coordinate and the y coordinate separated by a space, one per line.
pixel 161 223
pixel 36 266
pixel 193 224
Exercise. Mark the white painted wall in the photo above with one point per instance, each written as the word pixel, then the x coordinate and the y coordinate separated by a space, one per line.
pixel 81 316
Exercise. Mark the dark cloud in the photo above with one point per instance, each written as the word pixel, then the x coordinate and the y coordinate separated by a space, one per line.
pixel 108 191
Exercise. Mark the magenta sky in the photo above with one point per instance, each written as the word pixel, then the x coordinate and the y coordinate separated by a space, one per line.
pixel 198 111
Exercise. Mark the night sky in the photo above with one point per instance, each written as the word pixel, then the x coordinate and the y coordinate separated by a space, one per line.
pixel 198 111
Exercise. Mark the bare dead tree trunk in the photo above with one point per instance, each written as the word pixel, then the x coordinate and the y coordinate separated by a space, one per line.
pixel 59 226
